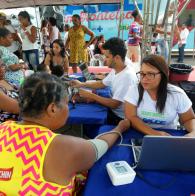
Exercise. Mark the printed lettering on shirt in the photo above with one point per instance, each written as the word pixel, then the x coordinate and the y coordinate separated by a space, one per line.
pixel 6 174
pixel 153 118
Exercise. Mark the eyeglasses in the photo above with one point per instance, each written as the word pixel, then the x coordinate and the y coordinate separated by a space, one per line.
pixel 148 75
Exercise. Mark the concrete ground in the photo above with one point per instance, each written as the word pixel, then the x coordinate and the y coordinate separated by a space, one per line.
pixel 187 60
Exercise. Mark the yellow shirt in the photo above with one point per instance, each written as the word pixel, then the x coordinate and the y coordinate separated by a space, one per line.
pixel 22 154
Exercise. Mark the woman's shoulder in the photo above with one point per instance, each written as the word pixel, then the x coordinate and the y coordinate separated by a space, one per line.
pixel 133 89
pixel 84 28
pixel 174 89
pixel 49 55
pixel 32 27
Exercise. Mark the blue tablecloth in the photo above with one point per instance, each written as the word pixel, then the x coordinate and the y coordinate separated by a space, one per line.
pixel 99 183
pixel 90 113
pixel 104 92
pixel 77 76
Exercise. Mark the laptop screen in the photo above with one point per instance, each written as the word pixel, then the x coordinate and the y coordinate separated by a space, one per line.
pixel 165 153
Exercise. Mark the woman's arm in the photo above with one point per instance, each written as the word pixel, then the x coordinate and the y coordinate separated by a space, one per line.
pixel 59 35
pixel 68 155
pixel 137 123
pixel 66 64
pixel 32 36
pixel 8 104
pixel 15 67
pixel 67 42
pixel 47 60
pixel 90 33
pixel 188 120
pixel 18 38
pixel 50 33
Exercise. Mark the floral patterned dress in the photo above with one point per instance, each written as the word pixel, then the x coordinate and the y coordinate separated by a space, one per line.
pixel 10 58
pixel 77 42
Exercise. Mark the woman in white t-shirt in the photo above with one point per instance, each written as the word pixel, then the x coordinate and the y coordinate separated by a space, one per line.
pixel 28 34
pixel 54 32
pixel 154 103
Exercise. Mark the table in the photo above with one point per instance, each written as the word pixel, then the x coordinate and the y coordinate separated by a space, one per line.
pixel 89 116
pixel 87 113
pixel 98 182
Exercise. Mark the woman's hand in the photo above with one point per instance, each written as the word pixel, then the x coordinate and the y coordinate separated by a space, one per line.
pixel 160 133
pixel 85 46
pixel 124 125
pixel 191 134
pixel 24 66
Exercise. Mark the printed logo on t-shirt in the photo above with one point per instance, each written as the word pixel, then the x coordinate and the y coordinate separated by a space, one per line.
pixel 153 118
pixel 6 174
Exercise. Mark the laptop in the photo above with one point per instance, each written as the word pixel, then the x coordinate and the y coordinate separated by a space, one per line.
pixel 174 153
pixel 83 67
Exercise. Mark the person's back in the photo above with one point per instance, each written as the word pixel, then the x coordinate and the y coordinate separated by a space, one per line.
pixel 23 149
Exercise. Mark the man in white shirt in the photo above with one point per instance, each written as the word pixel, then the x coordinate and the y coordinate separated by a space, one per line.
pixel 119 80
pixel 182 43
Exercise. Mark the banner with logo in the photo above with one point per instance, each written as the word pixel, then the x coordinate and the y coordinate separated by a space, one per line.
pixel 103 19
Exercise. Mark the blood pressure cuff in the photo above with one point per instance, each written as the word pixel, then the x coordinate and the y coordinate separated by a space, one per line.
pixel 100 147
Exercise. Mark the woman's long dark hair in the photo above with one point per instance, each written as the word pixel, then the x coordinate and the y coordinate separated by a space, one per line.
pixel 25 14
pixel 159 63
pixel 61 44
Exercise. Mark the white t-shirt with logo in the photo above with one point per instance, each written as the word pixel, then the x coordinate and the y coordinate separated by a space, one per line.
pixel 177 103
pixel 119 84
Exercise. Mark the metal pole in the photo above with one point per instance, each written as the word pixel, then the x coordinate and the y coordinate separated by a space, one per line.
pixel 39 36
pixel 121 17
pixel 137 8
pixel 144 31
pixel 172 30
pixel 157 13
pixel 183 8
pixel 166 13
pixel 166 20
pixel 194 45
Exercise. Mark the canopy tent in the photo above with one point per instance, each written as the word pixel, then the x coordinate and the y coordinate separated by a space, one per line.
pixel 27 3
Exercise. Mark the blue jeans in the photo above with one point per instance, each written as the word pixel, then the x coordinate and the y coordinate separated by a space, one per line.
pixel 31 57
pixel 163 49
pixel 181 53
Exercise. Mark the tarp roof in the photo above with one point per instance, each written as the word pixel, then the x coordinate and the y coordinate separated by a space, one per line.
pixel 27 3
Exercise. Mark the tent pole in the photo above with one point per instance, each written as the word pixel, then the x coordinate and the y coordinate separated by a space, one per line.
pixel 39 36
pixel 183 8
pixel 121 17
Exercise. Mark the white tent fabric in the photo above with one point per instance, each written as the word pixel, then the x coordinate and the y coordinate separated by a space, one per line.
pixel 27 3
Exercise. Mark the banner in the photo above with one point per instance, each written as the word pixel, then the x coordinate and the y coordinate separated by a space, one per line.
pixel 103 19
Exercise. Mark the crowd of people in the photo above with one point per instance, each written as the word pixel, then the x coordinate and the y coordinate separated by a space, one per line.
pixel 33 107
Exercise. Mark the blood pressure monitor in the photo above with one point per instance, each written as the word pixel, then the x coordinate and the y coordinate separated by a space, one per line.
pixel 120 172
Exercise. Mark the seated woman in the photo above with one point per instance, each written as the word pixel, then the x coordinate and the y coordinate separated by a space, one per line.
pixel 154 103
pixel 98 47
pixel 57 59
pixel 37 156
pixel 14 70
pixel 9 108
